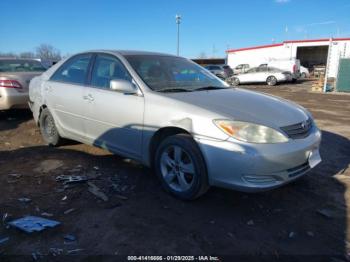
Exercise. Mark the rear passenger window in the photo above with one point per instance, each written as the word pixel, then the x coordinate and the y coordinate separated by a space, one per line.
pixel 107 68
pixel 74 70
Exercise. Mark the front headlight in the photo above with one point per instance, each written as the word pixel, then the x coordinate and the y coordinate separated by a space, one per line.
pixel 251 133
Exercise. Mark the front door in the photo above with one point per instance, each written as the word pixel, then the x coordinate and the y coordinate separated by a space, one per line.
pixel 114 121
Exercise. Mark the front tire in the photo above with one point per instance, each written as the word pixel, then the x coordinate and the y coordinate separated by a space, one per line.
pixel 236 81
pixel 48 129
pixel 271 81
pixel 181 167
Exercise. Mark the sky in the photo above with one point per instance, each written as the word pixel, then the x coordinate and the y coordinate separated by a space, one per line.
pixel 207 28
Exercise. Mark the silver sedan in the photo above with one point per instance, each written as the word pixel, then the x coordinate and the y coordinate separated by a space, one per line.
pixel 175 116
pixel 15 75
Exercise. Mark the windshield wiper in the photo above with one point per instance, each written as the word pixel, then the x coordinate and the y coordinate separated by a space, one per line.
pixel 209 88
pixel 175 89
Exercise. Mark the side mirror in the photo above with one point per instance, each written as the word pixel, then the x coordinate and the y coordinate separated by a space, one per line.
pixel 122 86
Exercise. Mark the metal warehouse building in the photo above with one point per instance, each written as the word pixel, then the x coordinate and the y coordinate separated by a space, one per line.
pixel 311 53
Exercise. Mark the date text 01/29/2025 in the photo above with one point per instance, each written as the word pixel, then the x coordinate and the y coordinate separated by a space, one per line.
pixel 173 258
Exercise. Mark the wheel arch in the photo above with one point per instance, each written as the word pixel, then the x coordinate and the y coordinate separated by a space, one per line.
pixel 159 136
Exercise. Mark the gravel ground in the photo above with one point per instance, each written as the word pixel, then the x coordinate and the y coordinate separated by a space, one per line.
pixel 307 219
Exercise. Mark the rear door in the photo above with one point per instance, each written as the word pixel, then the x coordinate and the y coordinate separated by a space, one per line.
pixel 113 120
pixel 64 95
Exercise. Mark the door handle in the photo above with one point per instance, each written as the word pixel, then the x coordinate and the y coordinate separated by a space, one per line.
pixel 89 97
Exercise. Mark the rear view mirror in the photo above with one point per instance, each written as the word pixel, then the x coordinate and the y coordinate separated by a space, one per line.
pixel 122 86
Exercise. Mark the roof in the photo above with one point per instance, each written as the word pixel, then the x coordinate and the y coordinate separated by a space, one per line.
pixel 130 52
pixel 286 42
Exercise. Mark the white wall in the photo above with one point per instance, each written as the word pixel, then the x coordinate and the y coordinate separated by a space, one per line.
pixel 255 57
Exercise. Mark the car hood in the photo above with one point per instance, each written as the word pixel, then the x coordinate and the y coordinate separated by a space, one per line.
pixel 244 105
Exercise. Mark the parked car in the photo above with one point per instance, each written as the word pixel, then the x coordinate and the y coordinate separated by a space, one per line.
pixel 194 133
pixel 288 65
pixel 240 69
pixel 304 72
pixel 221 71
pixel 269 75
pixel 15 75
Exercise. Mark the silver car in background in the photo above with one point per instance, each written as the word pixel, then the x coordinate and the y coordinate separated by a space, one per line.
pixel 175 116
pixel 262 74
pixel 15 75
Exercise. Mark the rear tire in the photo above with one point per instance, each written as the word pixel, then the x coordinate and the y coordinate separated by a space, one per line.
pixel 181 168
pixel 303 76
pixel 48 129
pixel 271 81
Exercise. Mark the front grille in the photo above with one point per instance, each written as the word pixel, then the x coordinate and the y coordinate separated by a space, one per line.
pixel 298 131
pixel 295 171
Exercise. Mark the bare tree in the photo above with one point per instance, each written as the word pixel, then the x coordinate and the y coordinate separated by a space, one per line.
pixel 46 51
pixel 27 55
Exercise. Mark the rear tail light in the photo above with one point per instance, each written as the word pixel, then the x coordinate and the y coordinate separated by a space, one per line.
pixel 10 84
pixel 294 68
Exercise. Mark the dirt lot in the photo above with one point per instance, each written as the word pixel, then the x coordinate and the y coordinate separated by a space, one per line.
pixel 308 217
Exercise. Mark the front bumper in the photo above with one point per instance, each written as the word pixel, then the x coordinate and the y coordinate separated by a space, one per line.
pixel 11 98
pixel 258 167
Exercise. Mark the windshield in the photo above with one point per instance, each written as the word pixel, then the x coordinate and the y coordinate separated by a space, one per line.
pixel 162 73
pixel 21 66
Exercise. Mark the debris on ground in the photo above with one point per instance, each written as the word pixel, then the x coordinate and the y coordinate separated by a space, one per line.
pixel 16 176
pixel 69 211
pixel 45 214
pixel 3 240
pixel 326 213
pixel 5 217
pixel 64 198
pixel 69 238
pixel 250 223
pixel 74 251
pixel 121 197
pixel 310 233
pixel 71 179
pixel 48 165
pixel 292 234
pixel 24 200
pixel 97 191
pixel 36 255
pixel 30 224
pixel 55 251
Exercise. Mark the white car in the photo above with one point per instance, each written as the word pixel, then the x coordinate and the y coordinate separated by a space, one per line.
pixel 269 75
pixel 304 72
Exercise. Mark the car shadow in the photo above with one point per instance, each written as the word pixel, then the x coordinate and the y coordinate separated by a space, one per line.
pixel 305 220
pixel 11 119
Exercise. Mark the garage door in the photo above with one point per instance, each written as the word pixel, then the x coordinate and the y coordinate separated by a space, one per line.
pixel 343 81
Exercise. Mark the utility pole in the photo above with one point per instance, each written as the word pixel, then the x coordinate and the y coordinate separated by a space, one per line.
pixel 178 22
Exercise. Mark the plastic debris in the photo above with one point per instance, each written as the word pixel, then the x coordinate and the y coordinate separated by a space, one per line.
pixel 30 224
pixel 71 179
pixel 24 200
pixel 310 233
pixel 3 240
pixel 64 198
pixel 97 192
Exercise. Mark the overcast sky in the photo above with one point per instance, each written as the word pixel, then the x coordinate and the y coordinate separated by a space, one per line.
pixel 208 26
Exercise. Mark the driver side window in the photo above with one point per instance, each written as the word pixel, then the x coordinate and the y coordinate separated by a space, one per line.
pixel 108 68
